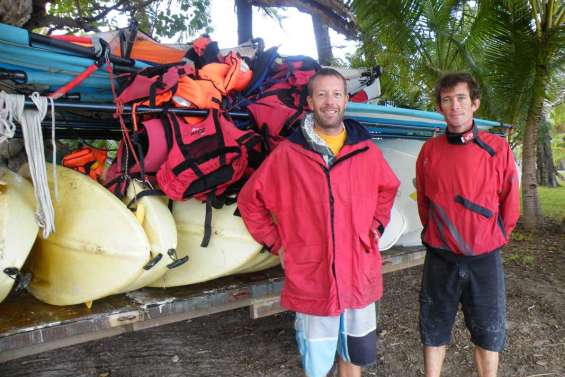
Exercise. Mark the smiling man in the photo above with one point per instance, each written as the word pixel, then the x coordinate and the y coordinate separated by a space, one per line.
pixel 468 201
pixel 320 201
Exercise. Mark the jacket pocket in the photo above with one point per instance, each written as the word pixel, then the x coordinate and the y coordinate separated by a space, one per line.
pixel 368 242
pixel 306 275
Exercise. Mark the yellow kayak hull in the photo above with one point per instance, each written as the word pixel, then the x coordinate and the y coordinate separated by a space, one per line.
pixel 98 247
pixel 231 246
pixel 18 228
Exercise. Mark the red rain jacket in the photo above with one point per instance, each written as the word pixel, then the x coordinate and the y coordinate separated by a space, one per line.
pixel 323 218
pixel 468 194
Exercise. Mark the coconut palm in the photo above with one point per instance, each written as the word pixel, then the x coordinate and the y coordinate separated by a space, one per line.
pixel 511 46
pixel 415 41
pixel 523 46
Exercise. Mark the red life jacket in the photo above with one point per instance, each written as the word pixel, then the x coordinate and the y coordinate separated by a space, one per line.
pixel 155 85
pixel 152 142
pixel 204 158
pixel 279 106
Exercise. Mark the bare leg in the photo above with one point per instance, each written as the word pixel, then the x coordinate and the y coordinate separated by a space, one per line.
pixel 347 369
pixel 486 362
pixel 433 360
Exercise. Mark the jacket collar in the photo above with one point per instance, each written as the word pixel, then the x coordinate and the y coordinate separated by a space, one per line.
pixel 356 134
pixel 468 136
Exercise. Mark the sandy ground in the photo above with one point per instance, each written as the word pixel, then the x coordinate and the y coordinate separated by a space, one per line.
pixel 231 344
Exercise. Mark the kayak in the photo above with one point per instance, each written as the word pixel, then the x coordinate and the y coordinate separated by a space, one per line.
pixel 230 247
pixel 159 225
pixel 98 248
pixel 18 228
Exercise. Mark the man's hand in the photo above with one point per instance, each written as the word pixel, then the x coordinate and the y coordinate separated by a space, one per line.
pixel 376 234
pixel 281 256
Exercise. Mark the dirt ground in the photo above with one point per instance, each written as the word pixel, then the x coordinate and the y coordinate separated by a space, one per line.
pixel 231 344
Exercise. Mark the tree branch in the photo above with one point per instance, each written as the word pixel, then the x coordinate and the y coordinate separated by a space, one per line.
pixel 55 23
pixel 333 13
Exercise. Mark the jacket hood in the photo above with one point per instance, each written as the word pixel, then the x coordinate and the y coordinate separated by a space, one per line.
pixel 356 133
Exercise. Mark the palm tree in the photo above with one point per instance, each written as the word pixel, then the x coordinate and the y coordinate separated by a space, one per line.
pixel 512 47
pixel 415 41
pixel 524 48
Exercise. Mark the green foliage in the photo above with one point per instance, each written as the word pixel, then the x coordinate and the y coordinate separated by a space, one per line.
pixel 415 41
pixel 552 201
pixel 558 133
pixel 182 19
pixel 522 258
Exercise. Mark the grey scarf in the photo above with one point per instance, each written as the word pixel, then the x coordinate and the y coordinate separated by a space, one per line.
pixel 314 140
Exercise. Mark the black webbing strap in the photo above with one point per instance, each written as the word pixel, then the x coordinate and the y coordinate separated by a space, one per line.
pixel 144 193
pixel 207 223
pixel 213 201
pixel 481 143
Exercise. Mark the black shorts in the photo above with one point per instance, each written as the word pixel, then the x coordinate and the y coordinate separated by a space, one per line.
pixel 477 282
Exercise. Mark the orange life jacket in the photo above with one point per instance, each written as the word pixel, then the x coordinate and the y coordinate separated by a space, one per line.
pixel 231 75
pixel 87 160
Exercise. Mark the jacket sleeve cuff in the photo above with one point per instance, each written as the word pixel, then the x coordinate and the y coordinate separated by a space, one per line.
pixel 378 226
pixel 273 248
pixel 381 229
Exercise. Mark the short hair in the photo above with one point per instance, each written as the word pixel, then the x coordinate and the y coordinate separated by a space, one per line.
pixel 450 80
pixel 326 72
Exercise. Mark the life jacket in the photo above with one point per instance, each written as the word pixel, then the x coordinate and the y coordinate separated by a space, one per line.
pixel 204 158
pixel 87 160
pixel 201 94
pixel 231 75
pixel 155 85
pixel 206 161
pixel 280 104
pixel 203 51
pixel 151 142
pixel 261 67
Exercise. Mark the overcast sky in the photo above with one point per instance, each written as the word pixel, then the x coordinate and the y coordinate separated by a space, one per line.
pixel 295 36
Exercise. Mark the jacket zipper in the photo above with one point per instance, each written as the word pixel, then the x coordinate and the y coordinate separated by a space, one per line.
pixel 332 210
pixel 327 172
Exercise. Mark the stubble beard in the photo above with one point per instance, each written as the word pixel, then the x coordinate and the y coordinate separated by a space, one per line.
pixel 326 125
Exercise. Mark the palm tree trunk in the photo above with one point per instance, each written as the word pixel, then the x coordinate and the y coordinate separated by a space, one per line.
pixel 546 167
pixel 323 42
pixel 532 215
pixel 244 21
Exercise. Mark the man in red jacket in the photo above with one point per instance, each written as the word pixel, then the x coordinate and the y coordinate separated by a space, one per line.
pixel 320 201
pixel 468 201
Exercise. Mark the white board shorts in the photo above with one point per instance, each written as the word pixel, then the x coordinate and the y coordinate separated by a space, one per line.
pixel 352 334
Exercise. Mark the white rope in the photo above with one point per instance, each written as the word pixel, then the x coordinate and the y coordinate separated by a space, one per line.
pixel 30 121
pixel 54 147
pixel 7 110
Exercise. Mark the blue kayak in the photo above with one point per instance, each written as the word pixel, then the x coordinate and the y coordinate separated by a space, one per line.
pixel 46 64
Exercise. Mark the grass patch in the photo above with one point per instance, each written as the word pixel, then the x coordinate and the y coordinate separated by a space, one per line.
pixel 519 258
pixel 552 200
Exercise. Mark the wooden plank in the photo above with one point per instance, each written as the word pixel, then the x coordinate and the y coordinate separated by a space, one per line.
pixel 400 258
pixel 28 326
pixel 266 307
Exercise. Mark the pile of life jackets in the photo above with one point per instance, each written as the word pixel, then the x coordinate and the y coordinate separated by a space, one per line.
pixel 210 157
pixel 207 157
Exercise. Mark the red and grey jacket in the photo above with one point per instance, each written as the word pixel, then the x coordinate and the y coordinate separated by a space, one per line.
pixel 468 194
pixel 323 216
